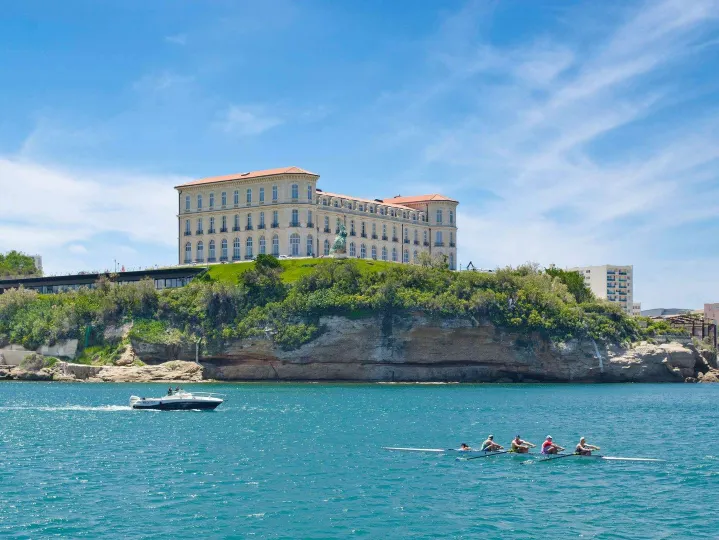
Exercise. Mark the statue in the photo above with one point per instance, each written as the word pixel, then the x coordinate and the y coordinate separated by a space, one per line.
pixel 339 248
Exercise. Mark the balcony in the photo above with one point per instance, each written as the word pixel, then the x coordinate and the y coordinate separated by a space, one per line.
pixel 439 244
pixel 223 259
pixel 236 258
pixel 275 225
pixel 363 235
pixel 352 233
pixel 294 224
pixel 452 244
pixel 384 237
pixel 416 242
pixel 235 229
pixel 211 259
pixel 260 226
pixel 223 229
pixel 188 233
pixel 310 225
pixel 199 232
pixel 406 240
pixel 327 229
pixel 249 227
pixel 426 244
pixel 248 257
pixel 374 237
pixel 200 260
pixel 211 231
pixel 188 261
pixel 395 239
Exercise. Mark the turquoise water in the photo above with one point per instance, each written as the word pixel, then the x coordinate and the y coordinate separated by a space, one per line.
pixel 305 461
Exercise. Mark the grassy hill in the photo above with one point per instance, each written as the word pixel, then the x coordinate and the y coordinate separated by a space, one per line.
pixel 294 269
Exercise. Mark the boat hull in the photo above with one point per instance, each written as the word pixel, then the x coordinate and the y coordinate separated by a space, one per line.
pixel 177 406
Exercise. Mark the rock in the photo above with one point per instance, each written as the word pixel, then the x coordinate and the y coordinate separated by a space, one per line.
pixel 174 371
pixel 711 376
pixel 2 359
pixel 32 362
pixel 21 374
pixel 127 358
pixel 61 349
pixel 113 334
pixel 690 380
pixel 679 356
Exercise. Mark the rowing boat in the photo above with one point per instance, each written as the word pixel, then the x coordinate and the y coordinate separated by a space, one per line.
pixel 473 454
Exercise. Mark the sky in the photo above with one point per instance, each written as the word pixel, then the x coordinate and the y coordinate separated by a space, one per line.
pixel 572 133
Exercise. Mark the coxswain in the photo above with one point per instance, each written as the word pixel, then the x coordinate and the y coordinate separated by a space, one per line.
pixel 549 447
pixel 584 449
pixel 464 447
pixel 521 447
pixel 490 446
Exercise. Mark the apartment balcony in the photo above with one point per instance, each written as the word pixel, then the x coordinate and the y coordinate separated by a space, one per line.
pixel 310 225
pixel 261 226
pixel 188 233
pixel 622 280
pixel 439 244
pixel 294 224
pixel 374 237
pixel 211 231
pixel 395 239
pixel 223 229
pixel 235 229
pixel 384 237
pixel 327 230
pixel 275 225
pixel 223 259
pixel 211 259
pixel 363 235
pixel 199 232
pixel 352 233
pixel 426 244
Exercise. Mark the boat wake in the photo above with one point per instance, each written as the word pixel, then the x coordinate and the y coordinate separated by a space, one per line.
pixel 104 408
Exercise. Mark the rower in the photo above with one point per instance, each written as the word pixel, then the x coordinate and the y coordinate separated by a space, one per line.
pixel 549 447
pixel 584 449
pixel 490 446
pixel 521 447
pixel 464 448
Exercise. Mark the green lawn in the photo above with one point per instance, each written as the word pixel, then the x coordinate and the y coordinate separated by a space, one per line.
pixel 293 268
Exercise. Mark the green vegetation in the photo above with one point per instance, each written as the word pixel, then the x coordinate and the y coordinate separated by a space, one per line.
pixel 284 301
pixel 14 263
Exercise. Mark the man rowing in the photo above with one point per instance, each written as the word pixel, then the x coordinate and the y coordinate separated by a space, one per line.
pixel 584 449
pixel 550 447
pixel 521 447
pixel 490 446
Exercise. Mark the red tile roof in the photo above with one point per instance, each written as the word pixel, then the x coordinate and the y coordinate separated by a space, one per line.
pixel 368 201
pixel 251 174
pixel 418 199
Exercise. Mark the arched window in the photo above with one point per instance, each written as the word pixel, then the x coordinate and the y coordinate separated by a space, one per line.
pixel 199 202
pixel 363 251
pixel 188 253
pixel 327 247
pixel 263 246
pixel 236 249
pixel 309 192
pixel 405 257
pixel 276 246
pixel 187 202
pixel 211 254
pixel 415 257
pixel 394 254
pixel 374 253
pixel 295 191
pixel 353 251
pixel 212 201
pixel 451 217
pixel 310 246
pixel 384 253
pixel 223 248
pixel 451 261
pixel 200 251
pixel 248 248
pixel 294 244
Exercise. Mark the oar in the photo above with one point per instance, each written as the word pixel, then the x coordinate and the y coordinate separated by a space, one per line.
pixel 487 455
pixel 558 457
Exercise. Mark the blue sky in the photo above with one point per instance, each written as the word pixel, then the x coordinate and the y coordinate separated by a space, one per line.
pixel 571 132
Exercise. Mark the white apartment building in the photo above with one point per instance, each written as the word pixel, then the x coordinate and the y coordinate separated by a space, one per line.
pixel 282 212
pixel 636 309
pixel 610 282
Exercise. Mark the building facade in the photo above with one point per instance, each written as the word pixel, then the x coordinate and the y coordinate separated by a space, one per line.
pixel 281 212
pixel 636 309
pixel 612 283
pixel 711 313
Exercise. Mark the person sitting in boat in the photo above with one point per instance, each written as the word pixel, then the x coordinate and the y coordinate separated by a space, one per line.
pixel 520 447
pixel 490 446
pixel 550 447
pixel 584 449
pixel 464 447
pixel 169 391
pixel 177 389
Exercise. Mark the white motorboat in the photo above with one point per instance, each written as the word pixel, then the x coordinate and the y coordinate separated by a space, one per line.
pixel 179 400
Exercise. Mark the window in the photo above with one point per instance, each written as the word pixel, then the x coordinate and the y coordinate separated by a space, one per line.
pixel 237 223
pixel 438 238
pixel 309 218
pixel 224 223
pixel 223 253
pixel 236 249
pixel 352 227
pixel 294 244
pixel 394 232
pixel 309 192
pixel 295 191
pixel 276 246
pixel 384 232
pixel 425 237
pixel 274 193
pixel 416 237
pixel 187 227
pixel 187 203
pixel 374 229
pixel 199 202
pixel 237 197
pixel 353 251
pixel 363 251
pixel 327 224
pixel 337 225
pixel 451 261
pixel 415 257
pixel 199 226
pixel 374 253
pixel 262 220
pixel 249 196
pixel 406 235
pixel 405 257
pixel 439 217
pixel 223 199
pixel 384 253
pixel 262 194
pixel 212 225
pixel 364 232
pixel 200 251
pixel 451 217
pixel 275 218
pixel 263 246
pixel 310 246
pixel 212 201
pixel 248 248
pixel 295 218
pixel 249 222
pixel 394 254
pixel 188 253
pixel 451 239
pixel 211 254
pixel 327 247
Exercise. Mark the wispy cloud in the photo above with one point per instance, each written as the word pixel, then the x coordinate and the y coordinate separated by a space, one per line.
pixel 160 82
pixel 564 132
pixel 248 120
pixel 177 39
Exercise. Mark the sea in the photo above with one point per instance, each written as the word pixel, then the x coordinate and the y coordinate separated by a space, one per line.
pixel 307 461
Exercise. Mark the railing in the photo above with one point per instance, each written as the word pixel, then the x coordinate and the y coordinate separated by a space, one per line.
pixel 200 260
pixel 374 237
pixel 395 239
pixel 294 224
pixel 248 228
pixel 211 259
pixel 248 257
pixel 275 225
pixel 426 244
pixel 406 240
pixel 439 244
pixel 327 229
pixel 188 233
pixel 310 225
pixel 261 226
pixel 188 261
pixel 235 229
pixel 352 233
pixel 452 244
pixel 211 231
pixel 223 229
pixel 384 237
pixel 363 235
pixel 199 232
pixel 223 259
pixel 416 242
pixel 236 258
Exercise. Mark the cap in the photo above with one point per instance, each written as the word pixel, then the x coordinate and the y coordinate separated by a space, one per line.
pixel 549 436
pixel 490 437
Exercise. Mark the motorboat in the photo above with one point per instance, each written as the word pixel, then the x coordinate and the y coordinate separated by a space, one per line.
pixel 178 400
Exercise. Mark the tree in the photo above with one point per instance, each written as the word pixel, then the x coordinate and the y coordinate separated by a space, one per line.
pixel 14 263
pixel 574 282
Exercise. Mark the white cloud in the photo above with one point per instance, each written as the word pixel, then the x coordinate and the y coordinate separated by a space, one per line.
pixel 177 39
pixel 160 82
pixel 248 120
pixel 530 136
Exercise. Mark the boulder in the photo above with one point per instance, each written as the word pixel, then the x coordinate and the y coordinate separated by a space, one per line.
pixel 711 376
pixel 679 356
pixel 127 358
pixel 32 362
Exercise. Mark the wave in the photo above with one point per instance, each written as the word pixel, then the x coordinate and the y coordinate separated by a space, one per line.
pixel 105 408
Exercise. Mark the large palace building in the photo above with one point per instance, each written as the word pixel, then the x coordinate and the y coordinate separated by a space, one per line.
pixel 281 212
